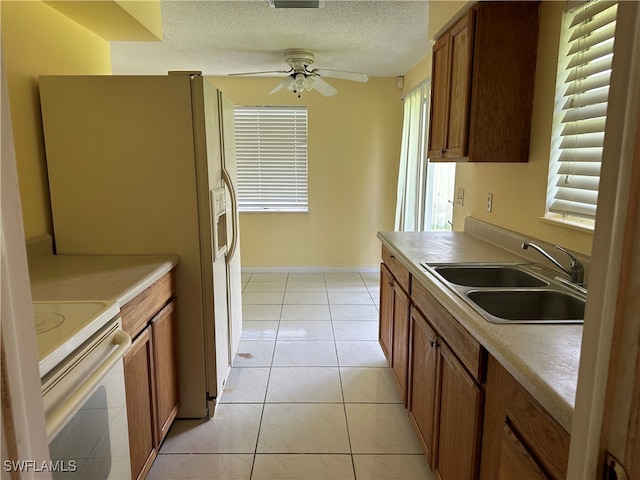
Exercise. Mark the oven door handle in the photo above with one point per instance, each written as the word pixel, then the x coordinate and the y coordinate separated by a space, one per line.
pixel 56 418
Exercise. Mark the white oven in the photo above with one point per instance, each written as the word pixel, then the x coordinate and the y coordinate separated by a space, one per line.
pixel 81 345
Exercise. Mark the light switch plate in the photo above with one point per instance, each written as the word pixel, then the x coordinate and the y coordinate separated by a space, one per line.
pixel 460 197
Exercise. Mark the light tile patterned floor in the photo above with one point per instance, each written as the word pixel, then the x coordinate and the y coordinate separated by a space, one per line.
pixel 310 395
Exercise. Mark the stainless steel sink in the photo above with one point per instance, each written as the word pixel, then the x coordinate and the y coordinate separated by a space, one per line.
pixel 513 292
pixel 489 276
pixel 530 306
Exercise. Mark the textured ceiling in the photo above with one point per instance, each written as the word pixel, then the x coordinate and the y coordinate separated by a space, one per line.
pixel 218 37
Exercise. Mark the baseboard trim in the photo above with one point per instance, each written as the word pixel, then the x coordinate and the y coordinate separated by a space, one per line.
pixel 375 269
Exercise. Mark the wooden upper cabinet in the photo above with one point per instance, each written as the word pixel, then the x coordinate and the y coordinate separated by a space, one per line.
pixel 439 97
pixel 460 81
pixel 483 79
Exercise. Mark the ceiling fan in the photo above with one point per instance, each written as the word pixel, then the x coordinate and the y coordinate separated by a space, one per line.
pixel 300 77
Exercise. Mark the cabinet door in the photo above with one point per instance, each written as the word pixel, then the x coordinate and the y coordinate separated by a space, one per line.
pixel 400 356
pixel 515 460
pixel 422 389
pixel 439 97
pixel 519 436
pixel 385 332
pixel 138 378
pixel 461 46
pixel 460 413
pixel 163 328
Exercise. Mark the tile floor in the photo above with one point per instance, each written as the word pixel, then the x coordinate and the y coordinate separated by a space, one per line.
pixel 310 395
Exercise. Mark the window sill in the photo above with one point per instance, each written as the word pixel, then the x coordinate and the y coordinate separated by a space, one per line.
pixel 573 225
pixel 274 211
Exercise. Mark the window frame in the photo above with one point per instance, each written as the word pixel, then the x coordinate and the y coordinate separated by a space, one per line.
pixel 574 172
pixel 272 159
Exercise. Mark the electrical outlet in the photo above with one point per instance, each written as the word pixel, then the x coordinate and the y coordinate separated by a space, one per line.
pixel 460 197
pixel 489 202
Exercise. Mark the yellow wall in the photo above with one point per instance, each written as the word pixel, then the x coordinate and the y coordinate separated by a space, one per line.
pixel 418 74
pixel 354 148
pixel 519 190
pixel 39 40
pixel 441 13
pixel 120 20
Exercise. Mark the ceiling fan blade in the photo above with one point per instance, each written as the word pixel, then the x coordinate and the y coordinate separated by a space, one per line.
pixel 286 83
pixel 258 73
pixel 355 77
pixel 323 87
pixel 276 89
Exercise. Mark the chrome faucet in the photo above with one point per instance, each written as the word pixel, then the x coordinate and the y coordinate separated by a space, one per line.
pixel 576 271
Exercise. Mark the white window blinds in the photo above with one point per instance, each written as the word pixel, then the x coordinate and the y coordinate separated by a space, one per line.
pixel 271 153
pixel 584 71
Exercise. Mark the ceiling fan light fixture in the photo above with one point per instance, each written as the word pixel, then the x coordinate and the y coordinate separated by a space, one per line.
pixel 311 82
pixel 299 82
pixel 300 77
pixel 289 81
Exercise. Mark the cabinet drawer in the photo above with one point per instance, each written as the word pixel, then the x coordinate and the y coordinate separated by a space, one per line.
pixel 467 349
pixel 400 273
pixel 139 310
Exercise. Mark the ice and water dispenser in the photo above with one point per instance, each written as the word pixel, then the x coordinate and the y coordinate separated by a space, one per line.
pixel 219 221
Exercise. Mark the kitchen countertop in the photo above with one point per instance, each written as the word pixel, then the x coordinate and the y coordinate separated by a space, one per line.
pixel 543 358
pixel 96 277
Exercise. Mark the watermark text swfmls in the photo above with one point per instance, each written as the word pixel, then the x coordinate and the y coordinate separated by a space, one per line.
pixel 40 466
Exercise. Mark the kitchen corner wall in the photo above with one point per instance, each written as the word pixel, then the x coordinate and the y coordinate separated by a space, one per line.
pixel 39 40
pixel 519 189
pixel 354 149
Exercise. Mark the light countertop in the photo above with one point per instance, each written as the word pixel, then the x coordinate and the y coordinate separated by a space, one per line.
pixel 96 277
pixel 543 358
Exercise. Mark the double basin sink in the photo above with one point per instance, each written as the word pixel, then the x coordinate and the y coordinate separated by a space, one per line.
pixel 514 293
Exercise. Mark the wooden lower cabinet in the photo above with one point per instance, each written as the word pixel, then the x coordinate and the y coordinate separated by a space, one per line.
pixel 400 358
pixel 422 388
pixel 151 372
pixel 445 404
pixel 460 420
pixel 473 419
pixel 394 326
pixel 385 331
pixel 165 355
pixel 138 377
pixel 520 439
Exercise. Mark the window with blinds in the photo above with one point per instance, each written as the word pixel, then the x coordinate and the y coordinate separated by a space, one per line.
pixel 271 153
pixel 584 71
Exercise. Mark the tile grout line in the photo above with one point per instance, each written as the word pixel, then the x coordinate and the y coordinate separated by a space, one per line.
pixel 266 390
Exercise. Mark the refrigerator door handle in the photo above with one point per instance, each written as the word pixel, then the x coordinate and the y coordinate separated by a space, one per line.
pixel 234 215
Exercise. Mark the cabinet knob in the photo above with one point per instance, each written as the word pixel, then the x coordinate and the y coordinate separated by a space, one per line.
pixel 433 343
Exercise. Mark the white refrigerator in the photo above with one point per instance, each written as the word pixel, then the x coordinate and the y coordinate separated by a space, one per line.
pixel 146 165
